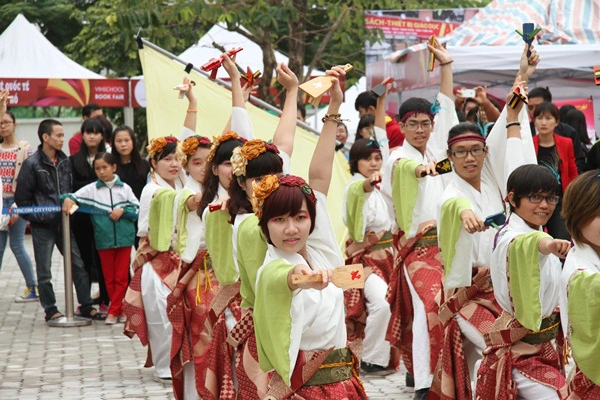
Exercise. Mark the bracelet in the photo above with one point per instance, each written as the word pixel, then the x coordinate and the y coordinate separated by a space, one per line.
pixel 332 117
pixel 447 62
pixel 513 123
pixel 192 110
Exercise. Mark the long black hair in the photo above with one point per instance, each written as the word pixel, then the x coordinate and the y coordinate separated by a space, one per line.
pixel 80 159
pixel 211 181
pixel 141 166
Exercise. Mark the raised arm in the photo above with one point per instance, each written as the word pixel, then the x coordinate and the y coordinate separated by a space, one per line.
pixel 240 121
pixel 445 59
pixel 192 111
pixel 3 102
pixel 286 129
pixel 321 164
pixel 380 130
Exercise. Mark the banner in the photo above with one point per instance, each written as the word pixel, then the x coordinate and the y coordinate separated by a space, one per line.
pixel 66 92
pixel 586 106
pixel 409 27
pixel 165 115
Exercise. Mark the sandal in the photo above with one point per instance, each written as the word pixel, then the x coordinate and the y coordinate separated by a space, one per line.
pixel 56 315
pixel 94 315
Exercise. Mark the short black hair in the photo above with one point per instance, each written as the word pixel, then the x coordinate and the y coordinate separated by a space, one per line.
pixel 544 93
pixel 414 104
pixel 46 126
pixel 530 179
pixel 462 128
pixel 365 100
pixel 365 121
pixel 87 110
pixel 546 108
pixel 300 107
pixel 361 149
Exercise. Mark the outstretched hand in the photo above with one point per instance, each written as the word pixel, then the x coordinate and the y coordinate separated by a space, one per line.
pixel 336 94
pixel 286 77
pixel 230 67
pixel 301 269
pixel 527 65
pixel 3 101
pixel 471 222
pixel 440 53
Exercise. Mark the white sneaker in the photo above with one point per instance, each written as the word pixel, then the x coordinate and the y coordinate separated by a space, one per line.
pixel 110 320
pixel 122 319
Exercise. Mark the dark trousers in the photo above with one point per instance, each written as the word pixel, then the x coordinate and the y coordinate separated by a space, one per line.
pixel 44 240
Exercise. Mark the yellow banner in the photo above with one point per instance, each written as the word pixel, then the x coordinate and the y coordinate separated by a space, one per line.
pixel 165 114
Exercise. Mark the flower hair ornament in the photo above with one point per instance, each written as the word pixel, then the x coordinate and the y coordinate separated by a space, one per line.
pixel 248 152
pixel 217 140
pixel 157 146
pixel 191 144
pixel 270 183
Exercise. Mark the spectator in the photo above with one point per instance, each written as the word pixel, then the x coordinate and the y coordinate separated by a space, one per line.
pixel 366 127
pixel 539 95
pixel 84 174
pixel 12 154
pixel 576 120
pixel 562 112
pixel 88 111
pixel 341 136
pixel 131 167
pixel 366 103
pixel 44 176
pixel 555 153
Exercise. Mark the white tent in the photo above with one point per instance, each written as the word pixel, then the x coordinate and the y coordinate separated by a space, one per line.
pixel 251 56
pixel 26 53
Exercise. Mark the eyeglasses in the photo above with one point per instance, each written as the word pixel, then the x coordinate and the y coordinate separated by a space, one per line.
pixel 413 126
pixel 536 199
pixel 2 123
pixel 474 152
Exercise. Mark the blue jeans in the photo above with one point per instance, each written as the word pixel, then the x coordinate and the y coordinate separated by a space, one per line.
pixel 44 239
pixel 16 234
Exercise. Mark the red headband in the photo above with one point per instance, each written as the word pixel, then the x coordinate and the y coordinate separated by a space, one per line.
pixel 463 138
pixel 413 113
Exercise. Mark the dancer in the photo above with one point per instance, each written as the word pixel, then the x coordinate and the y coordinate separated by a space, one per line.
pixel 252 161
pixel 414 198
pixel 366 216
pixel 307 339
pixel 477 190
pixel 520 361
pixel 579 283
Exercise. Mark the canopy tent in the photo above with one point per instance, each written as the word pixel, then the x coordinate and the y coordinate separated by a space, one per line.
pixel 26 53
pixel 486 50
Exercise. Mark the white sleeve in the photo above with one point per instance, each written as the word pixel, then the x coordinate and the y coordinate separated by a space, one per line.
pixel 287 162
pixel 185 133
pixel 444 120
pixel 323 236
pixel 240 123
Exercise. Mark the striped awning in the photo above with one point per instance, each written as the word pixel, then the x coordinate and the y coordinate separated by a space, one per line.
pixel 562 22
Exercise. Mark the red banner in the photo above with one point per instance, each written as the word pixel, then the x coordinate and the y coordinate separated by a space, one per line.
pixel 67 92
pixel 409 27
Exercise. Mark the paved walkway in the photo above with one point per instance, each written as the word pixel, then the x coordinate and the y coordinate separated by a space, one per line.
pixel 92 362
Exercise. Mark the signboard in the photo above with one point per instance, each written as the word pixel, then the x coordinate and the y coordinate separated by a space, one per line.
pixel 409 27
pixel 66 92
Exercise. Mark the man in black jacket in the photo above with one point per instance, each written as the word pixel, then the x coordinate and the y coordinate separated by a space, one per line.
pixel 44 176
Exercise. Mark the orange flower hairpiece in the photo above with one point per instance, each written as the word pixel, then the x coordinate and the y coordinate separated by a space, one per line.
pixel 191 144
pixel 217 140
pixel 242 154
pixel 261 190
pixel 157 145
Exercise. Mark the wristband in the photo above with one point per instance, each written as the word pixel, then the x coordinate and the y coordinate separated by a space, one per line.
pixel 332 117
pixel 447 62
pixel 192 110
pixel 513 123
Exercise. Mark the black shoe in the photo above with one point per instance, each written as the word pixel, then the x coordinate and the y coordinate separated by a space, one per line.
pixel 421 394
pixel 410 381
pixel 374 369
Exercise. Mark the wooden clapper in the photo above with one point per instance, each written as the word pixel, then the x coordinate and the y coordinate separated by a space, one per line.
pixel 346 277
pixel 317 87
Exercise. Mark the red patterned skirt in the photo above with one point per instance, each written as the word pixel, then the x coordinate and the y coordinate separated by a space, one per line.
pixel 311 363
pixel 580 387
pixel 252 381
pixel 187 307
pixel 507 350
pixel 421 258
pixel 216 365
pixel 476 305
pixel 166 264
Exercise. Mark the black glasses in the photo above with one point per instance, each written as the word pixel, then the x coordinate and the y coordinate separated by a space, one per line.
pixel 537 198
pixel 474 152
